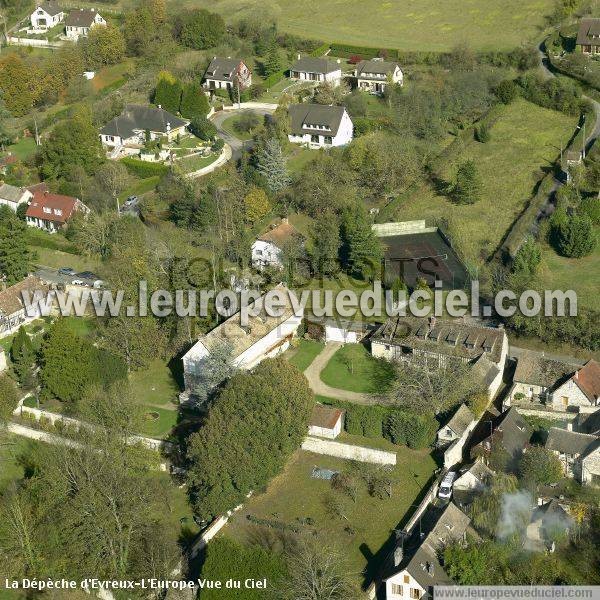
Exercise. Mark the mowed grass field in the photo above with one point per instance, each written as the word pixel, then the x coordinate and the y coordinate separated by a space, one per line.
pixel 403 24
pixel 579 274
pixel 298 500
pixel 524 139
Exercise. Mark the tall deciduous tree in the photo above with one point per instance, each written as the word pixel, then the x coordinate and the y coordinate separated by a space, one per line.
pixel 200 29
pixel 257 204
pixel 20 84
pixel 539 466
pixel 72 143
pixel 14 255
pixel 252 428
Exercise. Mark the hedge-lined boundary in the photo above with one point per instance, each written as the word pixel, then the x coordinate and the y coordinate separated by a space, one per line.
pixel 274 78
pixel 144 169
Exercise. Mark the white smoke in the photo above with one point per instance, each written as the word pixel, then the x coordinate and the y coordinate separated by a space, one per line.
pixel 515 515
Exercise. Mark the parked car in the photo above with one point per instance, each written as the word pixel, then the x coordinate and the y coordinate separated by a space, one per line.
pixel 130 201
pixel 447 485
pixel 77 282
pixel 66 271
pixel 88 275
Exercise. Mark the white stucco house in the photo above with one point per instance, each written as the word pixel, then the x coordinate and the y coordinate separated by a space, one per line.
pixel 319 70
pixel 225 73
pixel 130 127
pixel 80 21
pixel 13 196
pixel 320 126
pixel 46 15
pixel 263 336
pixel 326 422
pixel 474 478
pixel 374 75
pixel 454 435
pixel 268 249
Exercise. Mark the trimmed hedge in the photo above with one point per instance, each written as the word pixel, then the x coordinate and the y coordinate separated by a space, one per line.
pixel 144 169
pixel 320 50
pixel 399 426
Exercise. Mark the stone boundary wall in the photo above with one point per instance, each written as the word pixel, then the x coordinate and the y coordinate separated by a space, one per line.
pixel 348 451
pixel 401 228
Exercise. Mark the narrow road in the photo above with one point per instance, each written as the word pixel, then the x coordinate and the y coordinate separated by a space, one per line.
pixel 313 374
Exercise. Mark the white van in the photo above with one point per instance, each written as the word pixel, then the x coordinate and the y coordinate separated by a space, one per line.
pixel 446 485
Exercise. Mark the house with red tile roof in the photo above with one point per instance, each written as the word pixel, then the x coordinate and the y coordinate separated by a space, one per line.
pixel 269 247
pixel 581 390
pixel 52 212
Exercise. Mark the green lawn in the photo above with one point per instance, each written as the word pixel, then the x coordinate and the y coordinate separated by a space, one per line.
pixel 302 356
pixel 294 496
pixel 156 390
pixel 298 158
pixel 353 368
pixel 524 139
pixel 23 149
pixel 230 125
pixel 579 274
pixel 56 259
pixel 404 24
pixel 140 187
pixel 195 163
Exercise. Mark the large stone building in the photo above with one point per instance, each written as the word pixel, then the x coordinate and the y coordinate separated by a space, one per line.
pixel 263 336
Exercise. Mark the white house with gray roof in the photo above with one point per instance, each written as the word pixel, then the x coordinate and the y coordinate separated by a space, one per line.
pixel 320 126
pixel 579 454
pixel 80 21
pixel 374 75
pixel 129 128
pixel 262 336
pixel 46 15
pixel 224 73
pixel 13 196
pixel 319 70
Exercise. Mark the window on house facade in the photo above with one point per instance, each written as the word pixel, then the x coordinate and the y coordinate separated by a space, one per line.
pixel 415 593
pixel 328 140
pixel 397 589
pixel 407 579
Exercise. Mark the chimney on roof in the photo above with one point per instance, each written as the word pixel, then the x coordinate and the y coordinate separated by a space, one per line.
pixel 299 56
pixel 576 376
pixel 284 219
pixel 339 61
pixel 159 106
pixel 398 556
pixel 432 322
pixel 570 426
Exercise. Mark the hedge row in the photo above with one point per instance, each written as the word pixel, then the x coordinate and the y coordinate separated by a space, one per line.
pixel 320 50
pixel 144 169
pixel 396 425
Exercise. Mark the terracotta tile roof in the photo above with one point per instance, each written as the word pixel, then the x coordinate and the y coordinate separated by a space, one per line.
pixel 588 380
pixel 11 300
pixel 280 234
pixel 61 207
pixel 323 416
pixel 38 187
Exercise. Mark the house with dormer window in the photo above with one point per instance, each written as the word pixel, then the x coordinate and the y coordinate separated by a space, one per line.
pixel 225 73
pixel 374 75
pixel 52 212
pixel 79 22
pixel 588 36
pixel 46 15
pixel 319 70
pixel 320 126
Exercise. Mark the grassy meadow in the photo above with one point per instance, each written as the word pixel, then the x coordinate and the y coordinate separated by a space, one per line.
pixel 524 139
pixel 403 24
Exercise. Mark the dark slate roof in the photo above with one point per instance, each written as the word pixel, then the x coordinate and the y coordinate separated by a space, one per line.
pixel 380 67
pixel 135 117
pixel 588 28
pixel 471 340
pixel 51 7
pixel 461 419
pixel 535 369
pixel 222 69
pixel 513 431
pixel 571 442
pixel 309 64
pixel 440 527
pixel 82 17
pixel 589 423
pixel 302 116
